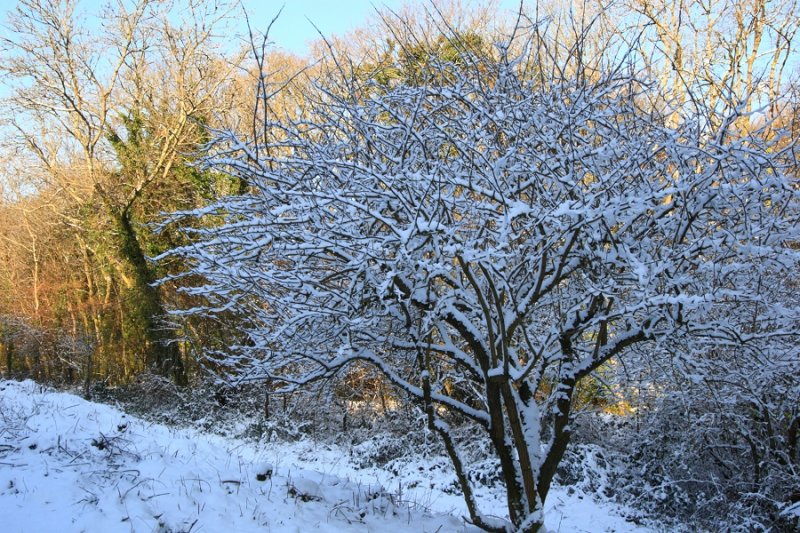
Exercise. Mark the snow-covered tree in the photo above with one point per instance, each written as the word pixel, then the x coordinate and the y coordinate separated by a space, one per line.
pixel 489 239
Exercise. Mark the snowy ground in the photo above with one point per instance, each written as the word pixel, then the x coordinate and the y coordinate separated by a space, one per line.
pixel 70 465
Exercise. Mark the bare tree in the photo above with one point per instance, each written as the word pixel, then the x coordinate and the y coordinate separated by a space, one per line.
pixel 716 53
pixel 111 114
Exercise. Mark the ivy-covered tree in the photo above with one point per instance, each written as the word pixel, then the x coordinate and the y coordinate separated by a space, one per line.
pixel 107 118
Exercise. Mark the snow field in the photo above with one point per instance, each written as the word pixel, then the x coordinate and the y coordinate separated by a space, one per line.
pixel 69 465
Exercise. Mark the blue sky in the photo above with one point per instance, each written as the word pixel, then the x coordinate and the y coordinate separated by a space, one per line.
pixel 293 30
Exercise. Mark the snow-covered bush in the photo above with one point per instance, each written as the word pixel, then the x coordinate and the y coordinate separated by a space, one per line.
pixel 487 240
pixel 721 451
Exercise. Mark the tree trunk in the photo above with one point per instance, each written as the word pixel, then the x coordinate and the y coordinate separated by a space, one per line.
pixel 8 344
pixel 163 354
pixel 561 437
pixel 89 310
